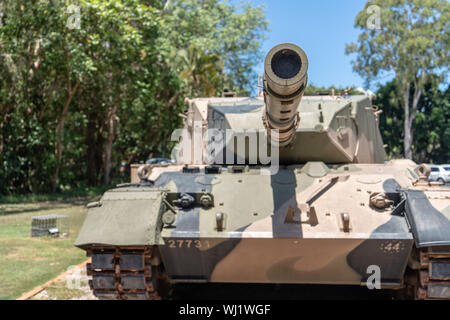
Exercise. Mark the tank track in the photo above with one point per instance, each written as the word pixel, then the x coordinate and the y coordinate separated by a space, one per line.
pixel 122 273
pixel 433 277
pixel 126 273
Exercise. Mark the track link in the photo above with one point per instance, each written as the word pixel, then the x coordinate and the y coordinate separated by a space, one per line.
pixel 122 273
pixel 434 276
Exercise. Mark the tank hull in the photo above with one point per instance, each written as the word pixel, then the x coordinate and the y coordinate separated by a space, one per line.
pixel 329 210
pixel 285 228
pixel 293 261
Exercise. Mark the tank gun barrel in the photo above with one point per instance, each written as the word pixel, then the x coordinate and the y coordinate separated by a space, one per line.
pixel 285 79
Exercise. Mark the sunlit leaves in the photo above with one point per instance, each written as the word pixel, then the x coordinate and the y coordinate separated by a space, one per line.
pixel 125 56
pixel 413 42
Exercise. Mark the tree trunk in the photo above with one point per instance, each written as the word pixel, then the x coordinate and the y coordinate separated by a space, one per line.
pixel 1 133
pixel 410 111
pixel 407 142
pixel 109 143
pixel 4 119
pixel 60 133
pixel 91 139
pixel 174 99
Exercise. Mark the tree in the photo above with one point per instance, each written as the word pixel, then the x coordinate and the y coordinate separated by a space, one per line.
pixel 412 42
pixel 431 126
pixel 54 70
pixel 200 71
pixel 24 94
pixel 118 38
pixel 222 29
pixel 392 120
pixel 77 101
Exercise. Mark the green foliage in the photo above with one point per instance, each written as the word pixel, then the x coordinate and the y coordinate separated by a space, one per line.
pixel 75 102
pixel 413 36
pixel 412 41
pixel 391 120
pixel 232 32
pixel 201 73
pixel 431 126
pixel 312 90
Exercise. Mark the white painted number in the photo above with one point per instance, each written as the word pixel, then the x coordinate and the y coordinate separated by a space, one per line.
pixel 199 244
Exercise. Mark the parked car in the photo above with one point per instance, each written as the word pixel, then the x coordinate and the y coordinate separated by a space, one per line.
pixel 440 173
pixel 159 161
pixel 447 171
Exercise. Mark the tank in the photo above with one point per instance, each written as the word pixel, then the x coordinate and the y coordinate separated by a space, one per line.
pixel 281 188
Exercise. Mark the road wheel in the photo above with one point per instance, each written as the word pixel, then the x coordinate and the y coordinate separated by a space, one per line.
pixel 441 180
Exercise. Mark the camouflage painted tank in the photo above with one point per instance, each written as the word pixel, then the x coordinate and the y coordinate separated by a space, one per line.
pixel 325 208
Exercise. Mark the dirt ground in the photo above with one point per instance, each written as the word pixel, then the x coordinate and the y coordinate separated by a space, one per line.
pixel 73 287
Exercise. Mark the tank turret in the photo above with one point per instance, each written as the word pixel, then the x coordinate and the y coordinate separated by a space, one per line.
pixel 332 129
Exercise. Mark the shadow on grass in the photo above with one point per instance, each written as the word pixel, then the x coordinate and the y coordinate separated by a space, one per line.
pixel 74 197
pixel 29 203
pixel 7 212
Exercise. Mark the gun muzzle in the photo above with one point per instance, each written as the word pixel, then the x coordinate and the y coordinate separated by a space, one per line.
pixel 285 80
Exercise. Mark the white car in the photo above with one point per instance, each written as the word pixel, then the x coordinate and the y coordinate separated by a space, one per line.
pixel 440 173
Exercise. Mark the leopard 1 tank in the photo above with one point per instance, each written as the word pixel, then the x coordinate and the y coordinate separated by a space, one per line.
pixel 282 188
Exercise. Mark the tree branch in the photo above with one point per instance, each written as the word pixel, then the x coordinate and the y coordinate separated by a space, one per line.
pixel 174 99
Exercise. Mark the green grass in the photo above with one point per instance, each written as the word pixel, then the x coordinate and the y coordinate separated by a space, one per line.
pixel 27 262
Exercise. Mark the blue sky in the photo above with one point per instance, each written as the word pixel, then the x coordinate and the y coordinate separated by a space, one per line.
pixel 321 28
